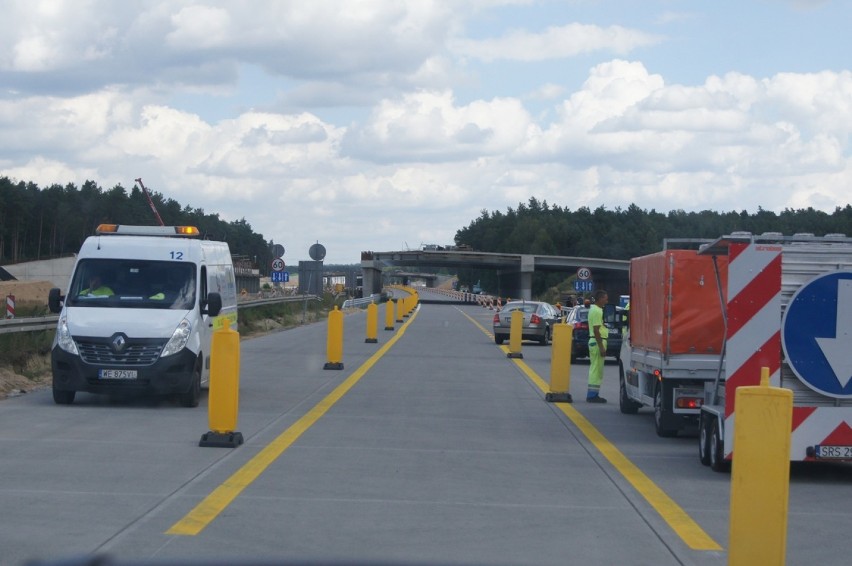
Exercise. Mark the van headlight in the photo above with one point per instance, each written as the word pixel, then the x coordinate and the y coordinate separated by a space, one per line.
pixel 64 339
pixel 179 339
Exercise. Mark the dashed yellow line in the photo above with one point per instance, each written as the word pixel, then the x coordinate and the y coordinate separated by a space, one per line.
pixel 211 506
pixel 680 522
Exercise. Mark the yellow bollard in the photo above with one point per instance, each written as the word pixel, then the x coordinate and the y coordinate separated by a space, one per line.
pixel 372 323
pixel 560 365
pixel 760 476
pixel 389 314
pixel 335 340
pixel 516 331
pixel 224 397
pixel 400 305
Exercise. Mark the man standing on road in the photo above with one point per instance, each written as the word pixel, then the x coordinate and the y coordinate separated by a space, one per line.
pixel 598 334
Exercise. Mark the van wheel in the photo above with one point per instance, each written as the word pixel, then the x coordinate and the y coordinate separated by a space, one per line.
pixel 192 397
pixel 63 396
pixel 659 414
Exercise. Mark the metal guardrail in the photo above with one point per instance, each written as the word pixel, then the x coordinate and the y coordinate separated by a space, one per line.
pixel 352 303
pixel 28 324
pixel 10 325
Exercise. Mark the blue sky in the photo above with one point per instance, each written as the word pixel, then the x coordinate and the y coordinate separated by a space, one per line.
pixel 382 124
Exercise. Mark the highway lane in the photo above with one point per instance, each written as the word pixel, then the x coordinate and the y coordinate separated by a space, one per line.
pixel 442 450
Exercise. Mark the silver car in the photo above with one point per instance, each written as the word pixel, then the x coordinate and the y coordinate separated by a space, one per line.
pixel 539 318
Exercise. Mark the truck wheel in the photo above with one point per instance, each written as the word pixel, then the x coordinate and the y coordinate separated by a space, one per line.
pixel 498 339
pixel 717 449
pixel 705 422
pixel 625 403
pixel 660 414
pixel 192 397
pixel 63 397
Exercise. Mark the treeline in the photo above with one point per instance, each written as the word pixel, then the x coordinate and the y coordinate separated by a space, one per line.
pixel 539 228
pixel 42 223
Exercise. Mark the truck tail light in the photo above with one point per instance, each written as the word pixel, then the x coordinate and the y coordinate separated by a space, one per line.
pixel 689 402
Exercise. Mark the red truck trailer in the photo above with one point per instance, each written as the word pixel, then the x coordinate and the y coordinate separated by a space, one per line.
pixel 782 302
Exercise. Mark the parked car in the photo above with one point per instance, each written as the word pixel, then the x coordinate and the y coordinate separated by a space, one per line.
pixel 578 317
pixel 539 319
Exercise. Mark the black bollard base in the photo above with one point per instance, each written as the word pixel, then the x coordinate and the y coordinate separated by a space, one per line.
pixel 372 341
pixel 221 439
pixel 516 355
pixel 388 327
pixel 333 365
pixel 558 398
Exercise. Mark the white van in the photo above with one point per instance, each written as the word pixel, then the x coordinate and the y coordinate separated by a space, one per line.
pixel 140 311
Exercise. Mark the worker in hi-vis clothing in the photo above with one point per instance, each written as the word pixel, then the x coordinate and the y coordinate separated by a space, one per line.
pixel 598 334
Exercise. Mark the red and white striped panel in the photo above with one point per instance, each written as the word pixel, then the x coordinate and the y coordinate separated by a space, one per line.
pixel 754 322
pixel 819 425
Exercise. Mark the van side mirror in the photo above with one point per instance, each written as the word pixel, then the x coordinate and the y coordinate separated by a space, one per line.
pixel 54 300
pixel 213 305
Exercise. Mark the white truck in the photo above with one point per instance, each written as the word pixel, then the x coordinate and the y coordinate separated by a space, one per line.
pixel 139 313
pixel 782 302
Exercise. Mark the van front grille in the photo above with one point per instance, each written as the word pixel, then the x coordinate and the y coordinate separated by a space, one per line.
pixel 136 352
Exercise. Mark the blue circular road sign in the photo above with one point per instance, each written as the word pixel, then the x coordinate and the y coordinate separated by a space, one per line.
pixel 816 334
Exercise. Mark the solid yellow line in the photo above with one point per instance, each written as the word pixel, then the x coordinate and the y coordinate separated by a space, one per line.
pixel 681 523
pixel 211 506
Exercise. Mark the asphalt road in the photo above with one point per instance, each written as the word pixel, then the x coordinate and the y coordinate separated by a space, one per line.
pixel 428 447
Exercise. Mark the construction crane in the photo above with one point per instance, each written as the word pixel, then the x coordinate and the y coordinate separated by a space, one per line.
pixel 150 202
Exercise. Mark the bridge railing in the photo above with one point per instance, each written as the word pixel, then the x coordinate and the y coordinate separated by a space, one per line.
pixel 363 302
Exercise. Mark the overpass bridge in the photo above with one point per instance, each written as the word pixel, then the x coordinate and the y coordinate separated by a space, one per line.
pixel 514 271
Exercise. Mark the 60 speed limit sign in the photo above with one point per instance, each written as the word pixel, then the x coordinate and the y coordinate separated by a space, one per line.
pixel 584 274
pixel 278 264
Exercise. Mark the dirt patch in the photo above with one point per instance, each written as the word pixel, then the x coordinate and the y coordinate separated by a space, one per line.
pixel 26 291
pixel 13 384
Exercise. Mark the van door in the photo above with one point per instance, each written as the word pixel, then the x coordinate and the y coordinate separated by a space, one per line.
pixel 205 330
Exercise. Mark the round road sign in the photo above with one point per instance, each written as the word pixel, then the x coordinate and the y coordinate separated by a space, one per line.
pixel 278 264
pixel 816 331
pixel 584 274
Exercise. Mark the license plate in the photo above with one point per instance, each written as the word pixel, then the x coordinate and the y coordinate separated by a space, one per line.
pixel 836 452
pixel 117 374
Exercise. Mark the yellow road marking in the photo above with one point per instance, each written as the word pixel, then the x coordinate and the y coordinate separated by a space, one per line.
pixel 681 523
pixel 211 506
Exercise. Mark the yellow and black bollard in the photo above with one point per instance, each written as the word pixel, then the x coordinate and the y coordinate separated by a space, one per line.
pixel 372 323
pixel 760 476
pixel 560 365
pixel 389 314
pixel 224 397
pixel 334 346
pixel 516 331
pixel 400 305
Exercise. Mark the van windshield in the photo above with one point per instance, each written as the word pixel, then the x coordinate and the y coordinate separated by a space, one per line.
pixel 133 283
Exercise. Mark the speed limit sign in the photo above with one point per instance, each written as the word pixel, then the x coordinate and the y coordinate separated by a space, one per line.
pixel 278 264
pixel 584 274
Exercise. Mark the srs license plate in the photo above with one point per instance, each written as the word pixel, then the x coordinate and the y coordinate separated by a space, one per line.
pixel 117 373
pixel 837 452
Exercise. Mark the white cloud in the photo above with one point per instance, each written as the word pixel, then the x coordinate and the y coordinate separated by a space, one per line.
pixel 114 91
pixel 556 42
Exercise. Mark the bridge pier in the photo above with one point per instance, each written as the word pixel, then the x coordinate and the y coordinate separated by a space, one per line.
pixel 371 276
pixel 517 284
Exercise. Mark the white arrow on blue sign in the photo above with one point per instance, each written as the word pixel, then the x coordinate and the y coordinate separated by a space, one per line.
pixel 816 334
pixel 280 276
